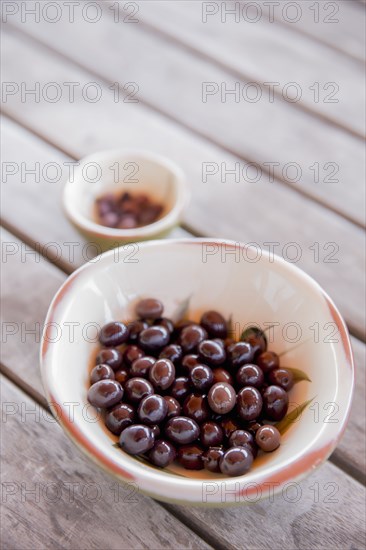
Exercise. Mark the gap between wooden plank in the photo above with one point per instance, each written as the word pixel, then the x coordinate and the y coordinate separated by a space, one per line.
pixel 27 388
pixel 322 201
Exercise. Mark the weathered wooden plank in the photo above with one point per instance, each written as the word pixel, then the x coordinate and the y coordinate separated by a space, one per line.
pixel 28 289
pixel 53 497
pixel 315 513
pixel 250 212
pixel 224 38
pixel 345 33
pixel 328 491
pixel 28 284
pixel 32 207
pixel 299 149
pixel 339 24
pixel 350 453
pixel 277 52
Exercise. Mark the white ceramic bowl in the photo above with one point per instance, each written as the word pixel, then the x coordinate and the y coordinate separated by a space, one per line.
pixel 124 170
pixel 219 275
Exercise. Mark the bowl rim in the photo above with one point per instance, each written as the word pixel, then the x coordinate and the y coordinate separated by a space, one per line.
pixel 162 224
pixel 292 471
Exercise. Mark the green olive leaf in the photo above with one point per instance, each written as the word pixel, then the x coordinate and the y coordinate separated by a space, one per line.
pixel 299 375
pixel 292 417
pixel 251 333
pixel 229 325
pixel 181 310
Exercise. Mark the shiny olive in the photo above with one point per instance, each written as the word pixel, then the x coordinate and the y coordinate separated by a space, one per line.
pixel 201 378
pixel 219 341
pixel 137 388
pixel 275 403
pixel 256 338
pixel 182 430
pixel 188 362
pixel 211 434
pixel 195 406
pixel 250 375
pixel 215 324
pixel 180 325
pixel 101 372
pixel 141 366
pixel 154 339
pixel 229 425
pixel 190 457
pixel 236 461
pixel 243 438
pixel 130 354
pixel 180 388
pixel 113 334
pixel 268 361
pixel 249 403
pixel 163 453
pixel 152 409
pixel 165 322
pixel 121 375
pixel 222 398
pixel 253 426
pixel 281 377
pixel 174 407
pixel 190 337
pixel 162 374
pixel 173 352
pixel 109 356
pixel 136 439
pixel 155 430
pixel 149 308
pixel 211 459
pixel 268 438
pixel 135 327
pixel 229 342
pixel 119 418
pixel 240 354
pixel 105 393
pixel 222 375
pixel 211 353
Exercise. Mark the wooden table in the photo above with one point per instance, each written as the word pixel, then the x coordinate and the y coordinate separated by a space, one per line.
pixel 158 75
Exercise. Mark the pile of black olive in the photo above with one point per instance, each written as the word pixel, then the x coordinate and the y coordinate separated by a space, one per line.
pixel 187 392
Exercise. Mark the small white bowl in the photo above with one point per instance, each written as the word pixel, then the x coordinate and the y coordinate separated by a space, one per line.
pixel 217 275
pixel 124 170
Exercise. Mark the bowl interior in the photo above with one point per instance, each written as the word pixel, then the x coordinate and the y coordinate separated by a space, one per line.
pixel 115 172
pixel 203 275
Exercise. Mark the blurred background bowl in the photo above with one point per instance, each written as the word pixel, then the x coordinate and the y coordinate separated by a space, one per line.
pixel 117 171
